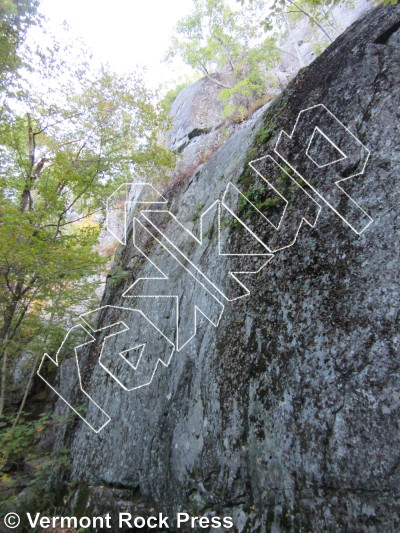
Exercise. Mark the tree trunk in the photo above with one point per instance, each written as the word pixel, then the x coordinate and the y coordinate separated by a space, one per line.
pixel 5 336
pixel 3 381
pixel 27 389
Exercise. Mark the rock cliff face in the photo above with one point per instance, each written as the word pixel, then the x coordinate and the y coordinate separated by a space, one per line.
pixel 286 415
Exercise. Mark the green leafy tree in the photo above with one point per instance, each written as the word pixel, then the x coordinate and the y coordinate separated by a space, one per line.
pixel 316 11
pixel 16 17
pixel 216 37
pixel 63 150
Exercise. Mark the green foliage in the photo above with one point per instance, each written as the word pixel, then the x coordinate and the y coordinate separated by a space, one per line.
pixel 117 275
pixel 17 443
pixel 258 197
pixel 244 44
pixel 16 16
pixel 20 447
pixel 197 211
pixel 264 134
pixel 207 38
pixel 263 198
pixel 318 48
pixel 224 223
pixel 316 11
pixel 64 148
pixel 171 95
pixel 216 37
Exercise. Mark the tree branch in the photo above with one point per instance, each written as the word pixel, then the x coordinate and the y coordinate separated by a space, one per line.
pixel 310 17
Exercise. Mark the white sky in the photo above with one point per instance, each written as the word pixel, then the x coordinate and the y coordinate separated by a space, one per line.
pixel 124 33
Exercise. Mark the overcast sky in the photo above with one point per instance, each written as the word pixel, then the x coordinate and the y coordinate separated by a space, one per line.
pixel 123 33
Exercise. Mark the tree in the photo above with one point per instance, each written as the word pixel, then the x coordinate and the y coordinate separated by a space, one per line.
pixel 316 11
pixel 16 16
pixel 63 150
pixel 244 45
pixel 215 37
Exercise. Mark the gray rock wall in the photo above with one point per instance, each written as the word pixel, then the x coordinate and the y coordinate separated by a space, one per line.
pixel 286 415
